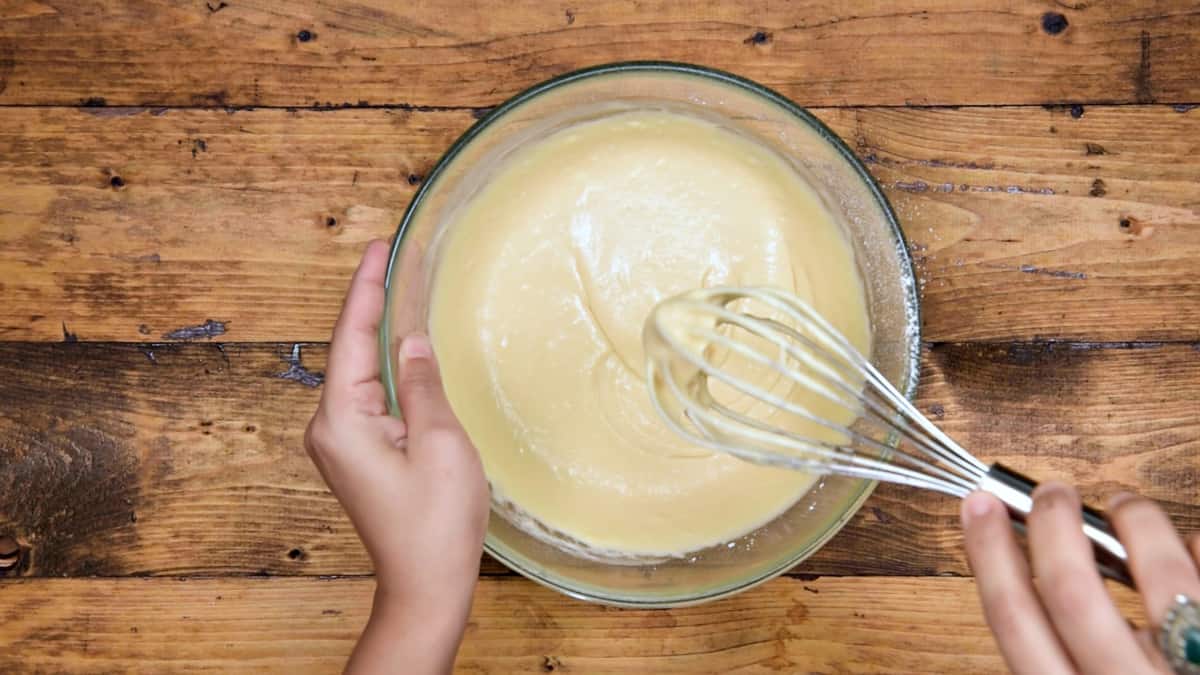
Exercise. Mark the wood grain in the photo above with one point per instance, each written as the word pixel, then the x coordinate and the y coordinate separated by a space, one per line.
pixel 188 460
pixel 1025 222
pixel 848 625
pixel 271 52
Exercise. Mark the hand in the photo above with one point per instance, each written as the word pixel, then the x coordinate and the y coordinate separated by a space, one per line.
pixel 1063 620
pixel 413 489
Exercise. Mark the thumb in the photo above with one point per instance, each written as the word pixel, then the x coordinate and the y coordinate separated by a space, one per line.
pixel 422 399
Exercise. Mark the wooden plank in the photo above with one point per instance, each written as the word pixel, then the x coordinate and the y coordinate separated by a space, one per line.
pixel 187 459
pixel 1025 222
pixel 847 625
pixel 271 52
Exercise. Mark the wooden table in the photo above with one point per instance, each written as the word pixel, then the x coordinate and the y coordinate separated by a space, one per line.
pixel 185 187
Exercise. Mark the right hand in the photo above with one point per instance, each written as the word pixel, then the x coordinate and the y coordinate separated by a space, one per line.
pixel 1053 614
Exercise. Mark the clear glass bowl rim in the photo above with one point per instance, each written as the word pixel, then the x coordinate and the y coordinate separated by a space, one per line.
pixel 906 265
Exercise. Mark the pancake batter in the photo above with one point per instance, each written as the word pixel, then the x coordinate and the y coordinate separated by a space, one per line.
pixel 542 285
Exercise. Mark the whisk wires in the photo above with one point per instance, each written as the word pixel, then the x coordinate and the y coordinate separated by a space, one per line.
pixel 874 433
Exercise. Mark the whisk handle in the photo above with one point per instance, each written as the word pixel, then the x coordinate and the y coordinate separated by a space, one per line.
pixel 1016 491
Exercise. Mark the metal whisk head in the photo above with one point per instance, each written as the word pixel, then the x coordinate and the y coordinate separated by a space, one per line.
pixel 757 373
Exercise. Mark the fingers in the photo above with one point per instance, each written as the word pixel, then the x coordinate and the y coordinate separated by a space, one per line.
pixel 1095 634
pixel 1158 560
pixel 1147 639
pixel 1023 631
pixel 431 421
pixel 354 353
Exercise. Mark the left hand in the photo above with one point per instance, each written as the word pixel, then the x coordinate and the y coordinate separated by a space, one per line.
pixel 414 489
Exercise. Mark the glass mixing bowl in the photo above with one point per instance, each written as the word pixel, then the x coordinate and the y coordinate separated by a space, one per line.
pixel 850 195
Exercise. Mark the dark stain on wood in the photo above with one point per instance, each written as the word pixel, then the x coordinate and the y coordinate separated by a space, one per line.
pixel 1094 149
pixel 199 145
pixel 115 111
pixel 1098 188
pixel 1185 107
pixel 68 336
pixel 1141 75
pixel 69 480
pixel 570 14
pixel 8 63
pixel 880 515
pixel 117 182
pixel 306 36
pixel 219 98
pixel 1076 111
pixel 93 102
pixel 296 372
pixel 213 9
pixel 209 329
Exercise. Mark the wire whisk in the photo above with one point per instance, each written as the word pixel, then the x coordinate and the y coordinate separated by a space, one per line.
pixel 758 374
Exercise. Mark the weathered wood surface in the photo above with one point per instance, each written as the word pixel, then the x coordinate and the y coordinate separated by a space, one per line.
pixel 128 224
pixel 272 52
pixel 855 625
pixel 188 460
pixel 1077 221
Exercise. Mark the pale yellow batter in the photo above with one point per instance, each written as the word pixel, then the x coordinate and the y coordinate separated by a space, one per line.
pixel 541 289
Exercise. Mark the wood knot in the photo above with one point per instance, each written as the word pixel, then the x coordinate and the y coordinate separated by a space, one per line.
pixel 550 664
pixel 306 36
pixel 116 182
pixel 798 613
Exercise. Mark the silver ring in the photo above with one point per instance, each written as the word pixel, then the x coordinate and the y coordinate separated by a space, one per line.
pixel 1180 636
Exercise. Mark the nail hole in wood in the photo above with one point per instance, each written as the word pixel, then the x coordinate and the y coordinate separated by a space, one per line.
pixel 1054 23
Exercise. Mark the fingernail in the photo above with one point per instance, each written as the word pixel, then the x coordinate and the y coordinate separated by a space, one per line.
pixel 1052 491
pixel 1119 499
pixel 415 346
pixel 975 506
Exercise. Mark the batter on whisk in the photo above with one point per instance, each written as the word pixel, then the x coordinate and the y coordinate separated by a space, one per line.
pixel 541 289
